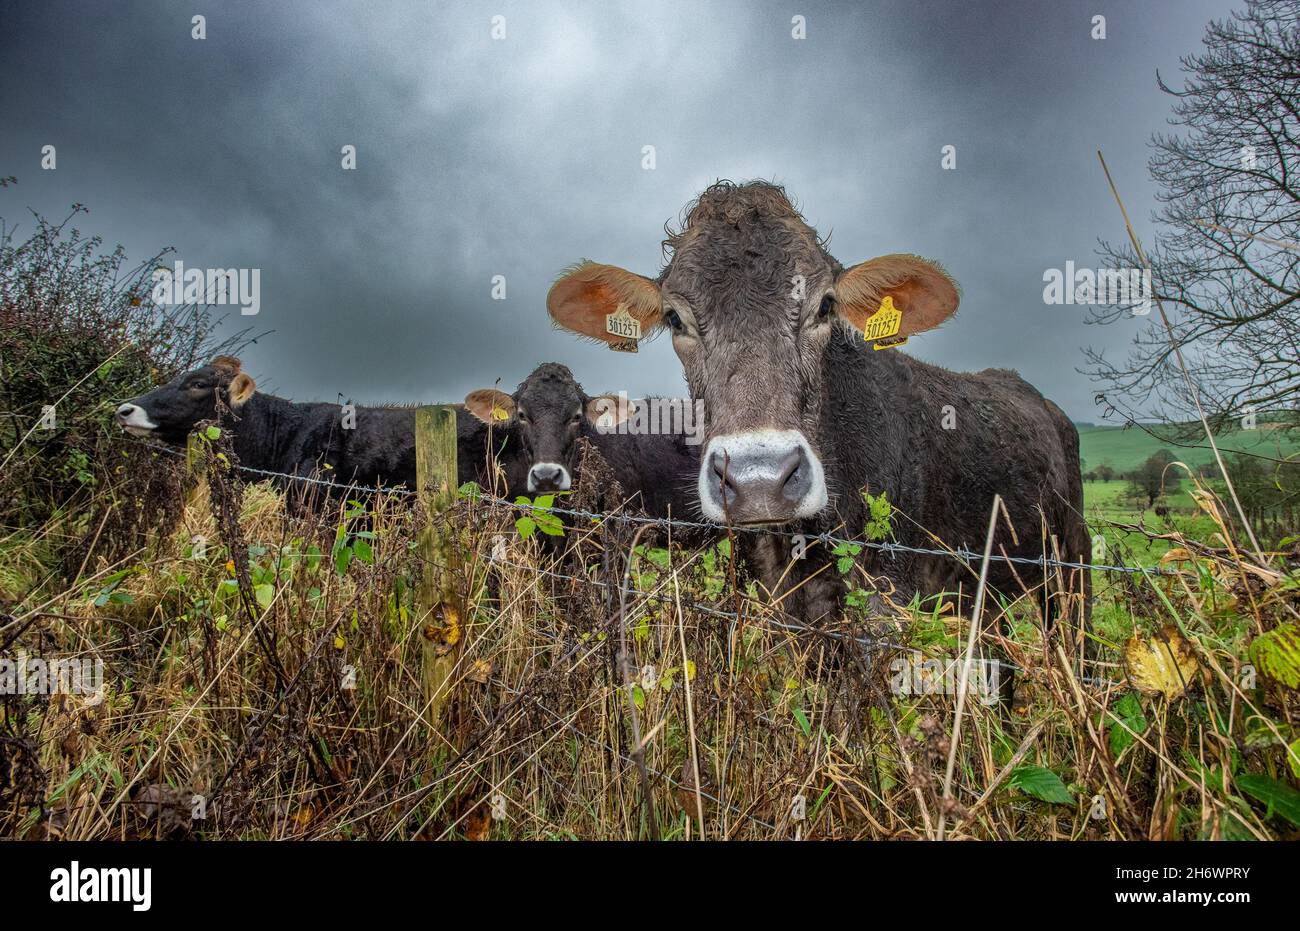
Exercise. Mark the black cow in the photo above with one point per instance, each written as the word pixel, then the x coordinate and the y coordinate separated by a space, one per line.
pixel 804 414
pixel 371 446
pixel 549 412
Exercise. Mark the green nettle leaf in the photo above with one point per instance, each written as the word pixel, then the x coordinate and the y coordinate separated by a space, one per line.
pixel 844 564
pixel 363 551
pixel 1280 798
pixel 1041 783
pixel 638 696
pixel 659 557
pixel 342 559
pixel 1129 710
pixel 803 721
pixel 550 525
pixel 469 490
pixel 1293 757
pixel 213 433
pixel 264 594
pixel 1277 654
pixel 526 527
pixel 544 502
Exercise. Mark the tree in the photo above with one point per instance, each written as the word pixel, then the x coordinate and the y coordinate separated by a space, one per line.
pixel 1269 491
pixel 1106 472
pixel 1153 477
pixel 1225 261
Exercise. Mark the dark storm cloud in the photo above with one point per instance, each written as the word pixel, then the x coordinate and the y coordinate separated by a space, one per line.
pixel 480 158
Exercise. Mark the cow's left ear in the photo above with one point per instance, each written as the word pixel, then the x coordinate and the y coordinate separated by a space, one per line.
pixel 241 389
pixel 587 293
pixel 490 405
pixel 921 291
pixel 608 411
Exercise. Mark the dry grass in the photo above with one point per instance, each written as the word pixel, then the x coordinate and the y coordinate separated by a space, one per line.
pixel 283 695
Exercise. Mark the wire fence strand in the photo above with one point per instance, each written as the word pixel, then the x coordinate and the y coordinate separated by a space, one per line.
pixel 961 553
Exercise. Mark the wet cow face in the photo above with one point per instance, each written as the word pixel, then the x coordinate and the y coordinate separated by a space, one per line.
pixel 751 299
pixel 548 412
pixel 171 411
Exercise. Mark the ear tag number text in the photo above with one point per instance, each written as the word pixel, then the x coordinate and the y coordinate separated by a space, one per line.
pixel 884 323
pixel 622 324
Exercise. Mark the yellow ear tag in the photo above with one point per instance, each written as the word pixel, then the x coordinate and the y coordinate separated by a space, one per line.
pixel 499 413
pixel 623 325
pixel 884 323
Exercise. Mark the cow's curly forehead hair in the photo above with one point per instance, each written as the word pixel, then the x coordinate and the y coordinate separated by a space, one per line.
pixel 226 364
pixel 550 373
pixel 725 203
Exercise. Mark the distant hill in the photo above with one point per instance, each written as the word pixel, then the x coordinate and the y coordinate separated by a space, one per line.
pixel 1125 449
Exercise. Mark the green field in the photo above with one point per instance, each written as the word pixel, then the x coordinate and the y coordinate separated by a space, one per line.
pixel 1125 448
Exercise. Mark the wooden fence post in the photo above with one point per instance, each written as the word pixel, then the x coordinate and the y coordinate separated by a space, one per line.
pixel 196 470
pixel 437 601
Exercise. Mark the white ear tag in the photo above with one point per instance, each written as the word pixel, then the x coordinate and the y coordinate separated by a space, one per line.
pixel 625 327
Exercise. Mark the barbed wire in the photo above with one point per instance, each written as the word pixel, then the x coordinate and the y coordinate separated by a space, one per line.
pixel 305 479
pixel 961 553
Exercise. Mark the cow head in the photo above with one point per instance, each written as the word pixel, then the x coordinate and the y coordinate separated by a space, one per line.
pixel 171 411
pixel 548 412
pixel 752 298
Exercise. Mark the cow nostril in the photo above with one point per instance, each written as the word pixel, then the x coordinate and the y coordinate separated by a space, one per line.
pixel 721 465
pixel 125 410
pixel 790 473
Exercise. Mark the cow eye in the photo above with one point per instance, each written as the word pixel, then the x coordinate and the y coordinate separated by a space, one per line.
pixel 827 305
pixel 673 320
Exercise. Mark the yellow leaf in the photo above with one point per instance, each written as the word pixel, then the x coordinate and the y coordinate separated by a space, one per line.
pixel 1162 665
pixel 339 642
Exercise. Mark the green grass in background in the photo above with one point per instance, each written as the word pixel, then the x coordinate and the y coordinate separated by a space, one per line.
pixel 1124 449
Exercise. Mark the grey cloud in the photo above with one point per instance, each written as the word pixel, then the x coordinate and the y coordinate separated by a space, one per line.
pixel 480 158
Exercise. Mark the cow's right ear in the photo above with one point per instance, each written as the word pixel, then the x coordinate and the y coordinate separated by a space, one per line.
pixel 607 411
pixel 490 405
pixel 920 290
pixel 588 292
pixel 241 389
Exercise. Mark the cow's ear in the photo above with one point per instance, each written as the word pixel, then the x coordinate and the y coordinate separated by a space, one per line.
pixel 241 389
pixel 490 406
pixel 607 411
pixel 588 292
pixel 921 291
pixel 227 363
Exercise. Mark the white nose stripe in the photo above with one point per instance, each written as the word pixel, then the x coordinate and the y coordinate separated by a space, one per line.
pixel 772 446
pixel 135 417
pixel 563 482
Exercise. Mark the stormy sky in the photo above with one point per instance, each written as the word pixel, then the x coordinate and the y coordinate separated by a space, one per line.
pixel 479 157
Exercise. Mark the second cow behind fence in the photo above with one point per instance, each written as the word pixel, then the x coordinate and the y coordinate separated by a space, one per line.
pixel 533 435
pixel 549 413
pixel 343 445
